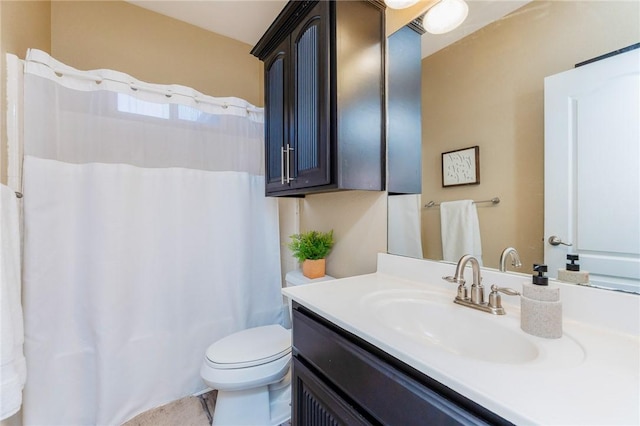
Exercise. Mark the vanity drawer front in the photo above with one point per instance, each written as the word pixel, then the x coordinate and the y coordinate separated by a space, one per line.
pixel 372 380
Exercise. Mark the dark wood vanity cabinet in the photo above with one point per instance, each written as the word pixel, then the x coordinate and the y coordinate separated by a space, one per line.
pixel 324 87
pixel 339 379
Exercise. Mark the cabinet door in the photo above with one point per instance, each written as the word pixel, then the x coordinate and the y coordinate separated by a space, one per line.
pixel 276 72
pixel 310 127
pixel 315 404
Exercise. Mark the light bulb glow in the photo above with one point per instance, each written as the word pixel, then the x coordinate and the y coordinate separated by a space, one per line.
pixel 400 4
pixel 445 16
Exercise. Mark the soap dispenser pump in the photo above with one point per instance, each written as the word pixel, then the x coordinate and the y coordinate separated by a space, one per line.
pixel 540 279
pixel 541 308
pixel 572 273
pixel 573 266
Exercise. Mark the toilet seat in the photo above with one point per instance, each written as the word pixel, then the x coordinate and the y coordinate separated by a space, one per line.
pixel 249 348
pixel 253 357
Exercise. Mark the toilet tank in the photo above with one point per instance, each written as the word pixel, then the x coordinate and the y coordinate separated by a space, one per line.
pixel 295 278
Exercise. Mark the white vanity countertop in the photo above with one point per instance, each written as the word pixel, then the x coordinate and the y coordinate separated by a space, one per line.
pixel 592 378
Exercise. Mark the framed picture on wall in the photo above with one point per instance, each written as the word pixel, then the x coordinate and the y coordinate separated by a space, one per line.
pixel 461 167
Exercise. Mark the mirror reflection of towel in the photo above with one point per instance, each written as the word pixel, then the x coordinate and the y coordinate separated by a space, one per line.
pixel 405 237
pixel 460 230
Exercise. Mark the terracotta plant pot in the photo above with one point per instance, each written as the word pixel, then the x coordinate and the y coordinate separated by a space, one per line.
pixel 313 268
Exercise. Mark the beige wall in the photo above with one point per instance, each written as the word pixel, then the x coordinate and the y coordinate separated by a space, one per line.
pixel 487 90
pixel 359 223
pixel 154 48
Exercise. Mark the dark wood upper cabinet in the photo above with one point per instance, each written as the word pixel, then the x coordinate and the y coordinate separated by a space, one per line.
pixel 324 97
pixel 404 105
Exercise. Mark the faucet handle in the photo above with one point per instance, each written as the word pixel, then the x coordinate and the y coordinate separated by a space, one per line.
pixel 506 290
pixel 462 290
pixel 495 301
pixel 454 280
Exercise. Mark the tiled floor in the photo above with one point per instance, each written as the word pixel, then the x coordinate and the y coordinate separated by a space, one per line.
pixel 189 411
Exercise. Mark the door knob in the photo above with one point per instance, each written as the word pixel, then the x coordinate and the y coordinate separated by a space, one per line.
pixel 554 240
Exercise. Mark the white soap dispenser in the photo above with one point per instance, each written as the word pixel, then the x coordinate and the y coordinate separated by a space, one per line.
pixel 540 307
pixel 573 274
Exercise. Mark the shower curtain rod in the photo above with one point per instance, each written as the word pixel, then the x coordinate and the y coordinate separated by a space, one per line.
pixel 494 200
pixel 135 87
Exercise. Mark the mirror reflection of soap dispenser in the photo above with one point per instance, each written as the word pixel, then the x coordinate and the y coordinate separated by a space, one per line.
pixel 541 308
pixel 572 273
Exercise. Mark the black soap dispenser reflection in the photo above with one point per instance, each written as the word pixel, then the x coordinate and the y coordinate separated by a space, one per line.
pixel 572 273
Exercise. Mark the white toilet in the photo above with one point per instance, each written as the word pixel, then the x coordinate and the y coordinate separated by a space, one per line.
pixel 250 370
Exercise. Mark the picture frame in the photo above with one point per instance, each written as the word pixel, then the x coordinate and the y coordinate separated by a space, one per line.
pixel 461 167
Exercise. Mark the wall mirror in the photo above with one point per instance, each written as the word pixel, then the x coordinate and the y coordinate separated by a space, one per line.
pixel 487 89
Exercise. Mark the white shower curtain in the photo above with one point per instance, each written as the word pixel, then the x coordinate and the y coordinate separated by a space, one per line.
pixel 147 237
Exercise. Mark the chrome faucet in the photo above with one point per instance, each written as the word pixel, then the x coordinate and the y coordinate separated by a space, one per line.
pixel 515 258
pixel 477 290
pixel 476 300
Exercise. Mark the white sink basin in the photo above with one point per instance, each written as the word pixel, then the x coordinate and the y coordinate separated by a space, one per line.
pixel 435 321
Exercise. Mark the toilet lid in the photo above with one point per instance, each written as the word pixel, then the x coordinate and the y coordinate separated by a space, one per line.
pixel 250 347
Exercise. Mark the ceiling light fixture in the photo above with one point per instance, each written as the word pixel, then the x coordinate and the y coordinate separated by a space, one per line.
pixel 400 4
pixel 445 16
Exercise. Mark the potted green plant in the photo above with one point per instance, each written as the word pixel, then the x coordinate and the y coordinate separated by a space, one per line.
pixel 311 248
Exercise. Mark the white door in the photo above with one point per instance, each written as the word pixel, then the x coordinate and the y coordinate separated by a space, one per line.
pixel 592 177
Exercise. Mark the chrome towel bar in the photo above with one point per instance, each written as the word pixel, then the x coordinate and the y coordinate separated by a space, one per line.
pixel 494 200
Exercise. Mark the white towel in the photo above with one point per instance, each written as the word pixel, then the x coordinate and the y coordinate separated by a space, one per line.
pixel 13 370
pixel 405 237
pixel 460 230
